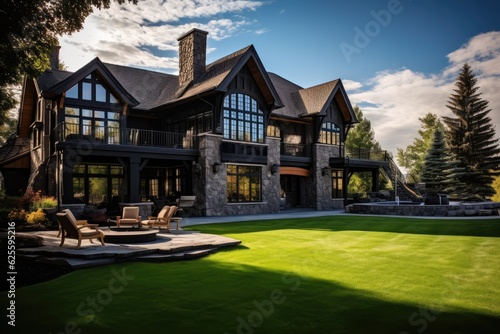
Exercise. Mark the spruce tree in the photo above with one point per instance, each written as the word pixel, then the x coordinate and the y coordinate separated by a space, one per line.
pixel 470 135
pixel 436 169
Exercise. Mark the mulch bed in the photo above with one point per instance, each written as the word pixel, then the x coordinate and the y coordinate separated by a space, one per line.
pixel 28 271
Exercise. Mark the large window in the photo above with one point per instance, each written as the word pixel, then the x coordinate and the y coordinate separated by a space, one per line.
pixel 98 125
pixel 92 111
pixel 330 134
pixel 243 119
pixel 244 183
pixel 96 184
pixel 91 89
pixel 337 184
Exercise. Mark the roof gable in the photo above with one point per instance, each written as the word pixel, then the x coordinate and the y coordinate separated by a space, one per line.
pixel 220 73
pixel 105 74
pixel 303 102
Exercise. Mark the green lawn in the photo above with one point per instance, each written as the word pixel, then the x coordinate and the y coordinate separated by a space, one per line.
pixel 340 274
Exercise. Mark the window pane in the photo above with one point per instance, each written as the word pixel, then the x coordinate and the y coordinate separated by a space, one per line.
pixel 112 98
pixel 72 93
pixel 86 113
pixel 113 115
pixel 86 91
pixel 72 111
pixel 100 93
pixel 99 114
pixel 72 126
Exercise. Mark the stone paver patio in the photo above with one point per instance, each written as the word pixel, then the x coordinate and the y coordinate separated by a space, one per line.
pixel 177 245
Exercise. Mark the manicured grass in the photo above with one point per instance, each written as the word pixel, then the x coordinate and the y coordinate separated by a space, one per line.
pixel 339 274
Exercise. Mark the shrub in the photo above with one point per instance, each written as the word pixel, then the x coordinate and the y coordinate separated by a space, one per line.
pixel 17 215
pixel 43 202
pixel 36 217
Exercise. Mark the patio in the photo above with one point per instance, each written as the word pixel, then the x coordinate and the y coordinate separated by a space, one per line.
pixel 174 246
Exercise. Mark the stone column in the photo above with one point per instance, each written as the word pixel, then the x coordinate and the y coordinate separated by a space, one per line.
pixel 210 183
pixel 271 182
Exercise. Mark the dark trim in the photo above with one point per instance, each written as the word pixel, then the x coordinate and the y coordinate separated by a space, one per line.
pixel 105 73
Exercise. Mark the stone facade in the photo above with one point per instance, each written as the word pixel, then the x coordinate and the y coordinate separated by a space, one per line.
pixel 210 183
pixel 322 175
pixel 192 56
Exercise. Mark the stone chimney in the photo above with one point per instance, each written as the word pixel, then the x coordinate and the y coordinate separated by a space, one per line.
pixel 54 58
pixel 192 56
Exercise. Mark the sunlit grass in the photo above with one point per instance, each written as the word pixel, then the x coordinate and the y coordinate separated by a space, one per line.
pixel 317 275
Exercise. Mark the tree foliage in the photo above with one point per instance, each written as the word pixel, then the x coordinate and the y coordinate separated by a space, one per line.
pixel 29 31
pixel 361 138
pixel 412 158
pixel 470 135
pixel 440 171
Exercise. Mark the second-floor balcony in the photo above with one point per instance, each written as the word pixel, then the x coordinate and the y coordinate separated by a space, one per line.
pixel 124 136
pixel 295 150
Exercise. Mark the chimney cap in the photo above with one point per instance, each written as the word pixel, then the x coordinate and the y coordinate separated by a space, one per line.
pixel 191 32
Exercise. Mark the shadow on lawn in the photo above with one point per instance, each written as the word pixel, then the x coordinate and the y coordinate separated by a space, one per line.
pixel 231 298
pixel 475 228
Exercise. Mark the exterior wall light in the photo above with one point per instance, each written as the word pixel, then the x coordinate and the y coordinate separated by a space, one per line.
pixel 275 169
pixel 216 167
pixel 325 171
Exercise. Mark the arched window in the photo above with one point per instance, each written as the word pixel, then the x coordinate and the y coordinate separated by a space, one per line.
pixel 330 134
pixel 243 119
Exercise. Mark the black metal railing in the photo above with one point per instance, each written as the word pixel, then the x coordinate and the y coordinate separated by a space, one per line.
pixel 295 150
pixel 380 155
pixel 124 136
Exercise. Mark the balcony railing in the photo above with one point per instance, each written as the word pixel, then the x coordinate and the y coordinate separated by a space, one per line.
pixel 124 136
pixel 295 150
pixel 368 155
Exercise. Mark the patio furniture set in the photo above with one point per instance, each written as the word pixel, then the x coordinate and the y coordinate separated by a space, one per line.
pixel 72 228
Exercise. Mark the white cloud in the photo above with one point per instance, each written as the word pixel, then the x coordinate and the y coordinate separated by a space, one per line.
pixel 351 85
pixel 146 34
pixel 394 100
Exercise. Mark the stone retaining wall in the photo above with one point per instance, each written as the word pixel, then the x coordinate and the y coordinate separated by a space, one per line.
pixel 465 209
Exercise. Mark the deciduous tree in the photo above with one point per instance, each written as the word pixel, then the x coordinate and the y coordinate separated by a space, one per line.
pixel 28 33
pixel 412 158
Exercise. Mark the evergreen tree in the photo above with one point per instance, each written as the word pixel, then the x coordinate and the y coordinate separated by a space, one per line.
pixel 435 166
pixel 470 135
pixel 412 158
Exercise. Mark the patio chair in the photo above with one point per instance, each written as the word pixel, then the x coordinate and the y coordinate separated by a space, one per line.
pixel 71 231
pixel 152 220
pixel 77 222
pixel 167 218
pixel 185 204
pixel 130 216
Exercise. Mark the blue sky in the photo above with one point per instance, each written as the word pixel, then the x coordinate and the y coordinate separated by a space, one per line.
pixel 397 59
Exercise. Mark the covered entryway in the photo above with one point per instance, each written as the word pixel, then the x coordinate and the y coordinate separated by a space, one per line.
pixel 293 185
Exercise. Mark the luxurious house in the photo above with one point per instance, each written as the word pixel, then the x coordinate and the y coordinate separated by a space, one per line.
pixel 240 139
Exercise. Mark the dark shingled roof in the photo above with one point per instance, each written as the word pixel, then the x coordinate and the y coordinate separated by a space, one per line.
pixel 14 148
pixel 155 89
pixel 51 77
pixel 315 98
pixel 214 75
pixel 148 87
pixel 287 90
